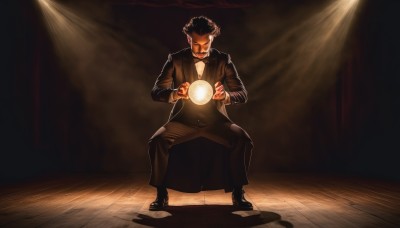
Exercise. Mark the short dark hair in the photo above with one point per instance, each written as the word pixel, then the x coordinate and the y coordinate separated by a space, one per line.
pixel 201 25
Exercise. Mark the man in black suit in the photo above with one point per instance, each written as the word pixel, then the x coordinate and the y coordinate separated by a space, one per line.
pixel 189 120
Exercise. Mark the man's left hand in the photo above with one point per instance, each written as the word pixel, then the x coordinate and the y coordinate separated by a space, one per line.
pixel 219 91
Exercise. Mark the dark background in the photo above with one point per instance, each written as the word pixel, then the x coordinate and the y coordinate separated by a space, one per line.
pixel 49 125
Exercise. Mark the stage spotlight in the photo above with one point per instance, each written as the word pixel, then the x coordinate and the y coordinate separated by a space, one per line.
pixel 303 59
pixel 200 92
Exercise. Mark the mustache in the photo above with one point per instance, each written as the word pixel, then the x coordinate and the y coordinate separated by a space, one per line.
pixel 199 53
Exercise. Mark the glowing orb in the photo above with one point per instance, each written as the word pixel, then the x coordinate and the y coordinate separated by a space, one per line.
pixel 200 92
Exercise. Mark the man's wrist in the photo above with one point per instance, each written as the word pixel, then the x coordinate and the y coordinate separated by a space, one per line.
pixel 175 95
pixel 227 99
pixel 171 98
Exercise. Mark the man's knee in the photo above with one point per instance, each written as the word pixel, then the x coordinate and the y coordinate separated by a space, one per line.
pixel 157 137
pixel 240 134
pixel 160 137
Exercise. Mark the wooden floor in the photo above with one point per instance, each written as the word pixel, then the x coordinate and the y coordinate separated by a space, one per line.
pixel 279 201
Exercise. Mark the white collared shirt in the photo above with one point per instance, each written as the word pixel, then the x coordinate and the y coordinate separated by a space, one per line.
pixel 200 65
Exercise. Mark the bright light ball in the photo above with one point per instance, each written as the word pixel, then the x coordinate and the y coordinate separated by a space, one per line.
pixel 200 92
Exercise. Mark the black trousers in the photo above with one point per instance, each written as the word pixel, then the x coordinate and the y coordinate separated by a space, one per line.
pixel 225 133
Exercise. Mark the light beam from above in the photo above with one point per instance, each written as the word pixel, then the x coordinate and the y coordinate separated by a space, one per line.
pixel 303 57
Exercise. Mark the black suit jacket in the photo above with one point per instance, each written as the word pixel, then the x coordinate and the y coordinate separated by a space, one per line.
pixel 180 68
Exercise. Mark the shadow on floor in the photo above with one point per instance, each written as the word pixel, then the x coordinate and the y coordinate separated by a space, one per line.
pixel 207 216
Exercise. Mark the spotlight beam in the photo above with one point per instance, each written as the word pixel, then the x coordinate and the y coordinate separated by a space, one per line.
pixel 305 55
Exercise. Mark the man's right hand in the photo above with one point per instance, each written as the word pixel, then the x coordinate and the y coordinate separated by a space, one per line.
pixel 182 91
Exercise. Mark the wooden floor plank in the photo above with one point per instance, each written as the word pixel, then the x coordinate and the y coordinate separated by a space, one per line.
pixel 58 203
pixel 310 201
pixel 380 194
pixel 33 205
pixel 31 192
pixel 86 207
pixel 279 200
pixel 269 202
pixel 121 212
pixel 385 211
pixel 311 210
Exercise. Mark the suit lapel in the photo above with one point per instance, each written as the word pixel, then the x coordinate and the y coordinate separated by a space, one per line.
pixel 189 69
pixel 210 68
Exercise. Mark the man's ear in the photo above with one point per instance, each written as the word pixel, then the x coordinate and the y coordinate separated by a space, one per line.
pixel 189 39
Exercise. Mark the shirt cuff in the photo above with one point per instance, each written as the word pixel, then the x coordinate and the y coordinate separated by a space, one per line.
pixel 227 99
pixel 171 97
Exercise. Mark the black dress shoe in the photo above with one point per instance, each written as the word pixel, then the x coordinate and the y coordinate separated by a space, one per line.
pixel 239 201
pixel 160 203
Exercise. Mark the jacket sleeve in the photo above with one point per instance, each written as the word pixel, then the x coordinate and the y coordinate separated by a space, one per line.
pixel 163 87
pixel 236 90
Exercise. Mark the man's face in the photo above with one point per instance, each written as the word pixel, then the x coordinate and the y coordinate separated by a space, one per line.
pixel 200 44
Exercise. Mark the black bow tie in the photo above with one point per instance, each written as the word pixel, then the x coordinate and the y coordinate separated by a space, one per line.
pixel 196 60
